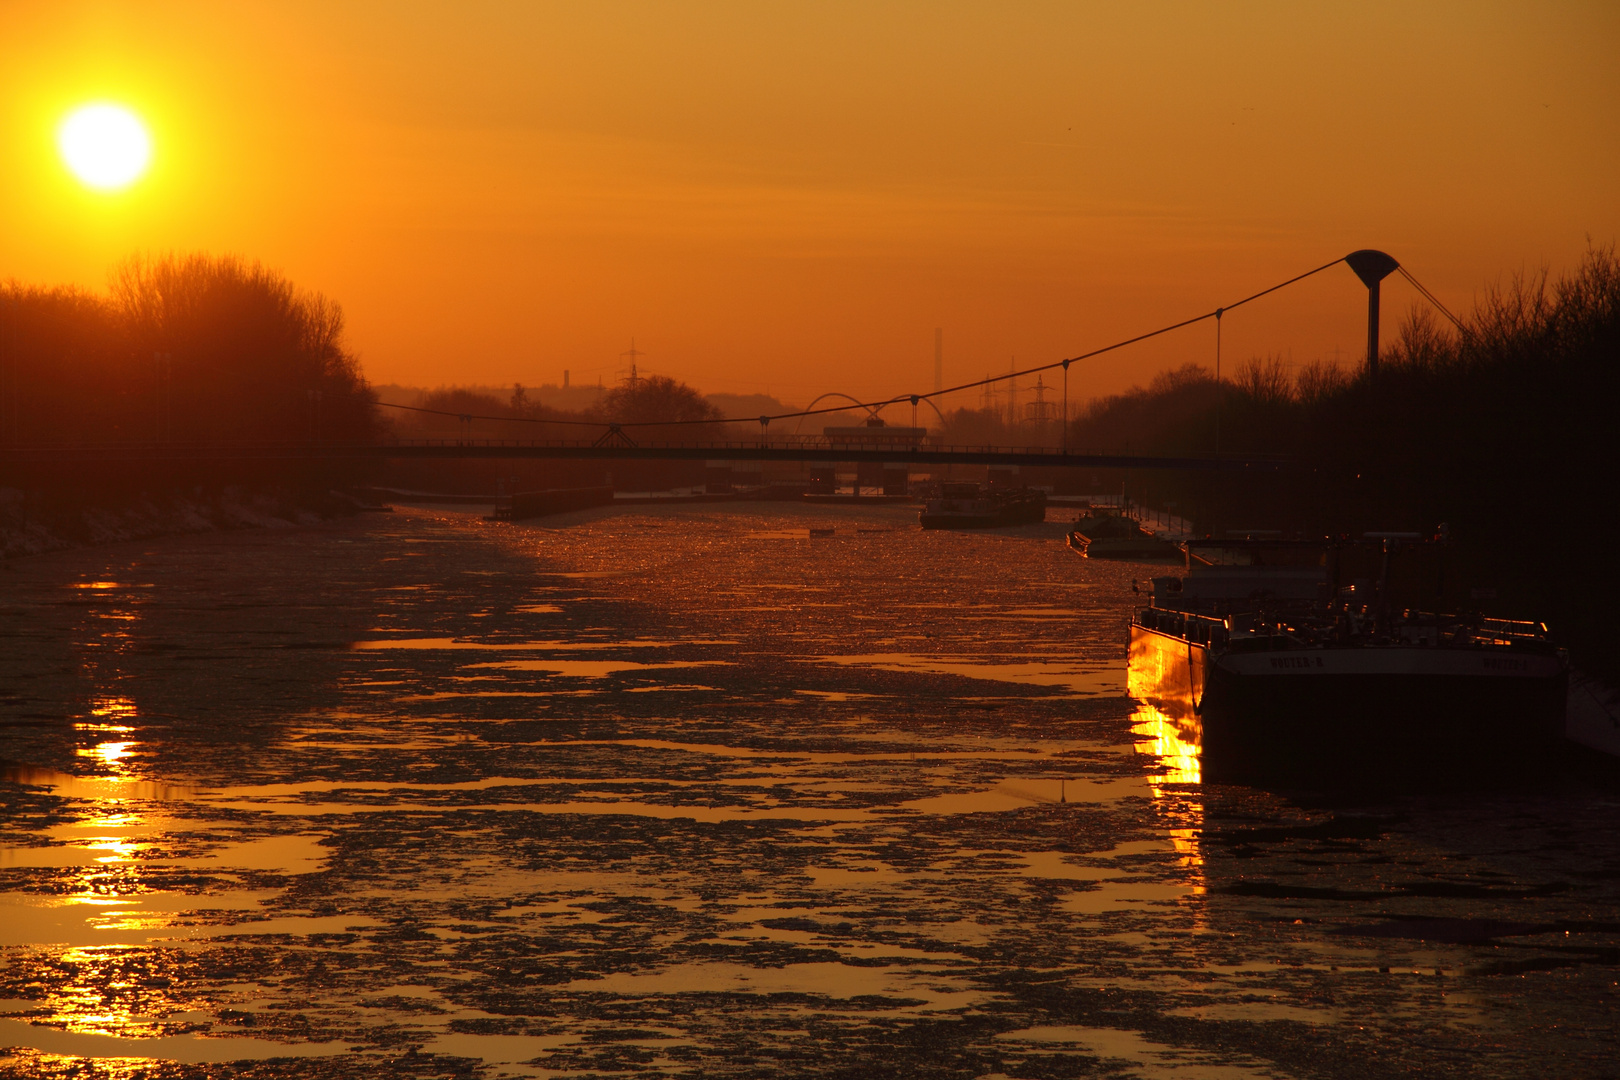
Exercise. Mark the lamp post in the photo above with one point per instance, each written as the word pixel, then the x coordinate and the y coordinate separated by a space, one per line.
pixel 1372 267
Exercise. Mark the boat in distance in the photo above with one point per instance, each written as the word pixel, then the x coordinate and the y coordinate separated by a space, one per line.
pixel 1101 535
pixel 1279 669
pixel 966 506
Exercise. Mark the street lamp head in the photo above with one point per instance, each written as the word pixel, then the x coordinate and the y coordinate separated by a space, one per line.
pixel 1371 266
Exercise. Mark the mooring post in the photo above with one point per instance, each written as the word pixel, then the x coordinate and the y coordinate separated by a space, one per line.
pixel 1371 267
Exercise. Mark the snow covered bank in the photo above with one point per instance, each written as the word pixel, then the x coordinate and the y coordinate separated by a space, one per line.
pixel 32 523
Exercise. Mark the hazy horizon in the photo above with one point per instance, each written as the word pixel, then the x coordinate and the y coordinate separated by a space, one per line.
pixel 790 201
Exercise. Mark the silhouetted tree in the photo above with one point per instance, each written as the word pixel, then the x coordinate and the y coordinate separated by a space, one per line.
pixel 1175 414
pixel 243 354
pixel 658 400
pixel 460 401
pixel 975 427
pixel 67 373
pixel 654 399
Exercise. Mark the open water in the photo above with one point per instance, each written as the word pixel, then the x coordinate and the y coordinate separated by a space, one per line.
pixel 692 792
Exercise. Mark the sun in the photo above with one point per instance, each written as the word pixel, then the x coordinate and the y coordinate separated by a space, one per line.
pixel 105 146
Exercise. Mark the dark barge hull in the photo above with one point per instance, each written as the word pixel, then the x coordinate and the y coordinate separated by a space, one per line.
pixel 1357 717
pixel 1125 550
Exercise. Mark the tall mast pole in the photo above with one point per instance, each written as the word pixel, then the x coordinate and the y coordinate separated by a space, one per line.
pixel 1372 267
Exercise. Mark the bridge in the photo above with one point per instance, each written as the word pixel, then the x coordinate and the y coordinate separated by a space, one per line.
pixel 784 449
pixel 807 449
pixel 616 442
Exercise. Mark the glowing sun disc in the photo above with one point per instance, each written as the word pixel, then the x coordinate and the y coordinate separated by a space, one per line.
pixel 106 146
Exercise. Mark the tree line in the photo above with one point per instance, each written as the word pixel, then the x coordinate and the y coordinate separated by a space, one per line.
pixel 192 348
pixel 1501 428
pixel 1472 426
pixel 1505 417
pixel 672 411
pixel 211 349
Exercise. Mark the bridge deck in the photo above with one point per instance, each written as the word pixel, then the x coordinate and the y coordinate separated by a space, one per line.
pixel 753 450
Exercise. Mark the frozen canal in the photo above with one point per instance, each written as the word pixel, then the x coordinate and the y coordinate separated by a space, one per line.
pixel 694 793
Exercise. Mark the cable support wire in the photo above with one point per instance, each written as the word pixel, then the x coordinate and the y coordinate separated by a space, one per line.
pixel 1431 298
pixel 898 398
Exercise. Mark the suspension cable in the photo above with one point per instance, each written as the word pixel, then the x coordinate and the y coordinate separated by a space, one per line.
pixel 870 405
pixel 1431 298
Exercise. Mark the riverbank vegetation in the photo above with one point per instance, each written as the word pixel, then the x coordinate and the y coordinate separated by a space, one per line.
pixel 1501 428
pixel 659 408
pixel 1504 418
pixel 181 349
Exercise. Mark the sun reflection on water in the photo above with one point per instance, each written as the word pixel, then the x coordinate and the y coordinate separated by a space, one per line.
pixel 91 1005
pixel 110 714
pixel 113 708
pixel 1175 745
pixel 110 754
pixel 110 897
pixel 116 850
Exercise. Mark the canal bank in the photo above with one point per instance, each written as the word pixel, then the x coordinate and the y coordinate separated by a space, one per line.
pixel 36 521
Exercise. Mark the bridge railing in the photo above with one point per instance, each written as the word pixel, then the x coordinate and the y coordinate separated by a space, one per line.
pixel 812 449
pixel 806 442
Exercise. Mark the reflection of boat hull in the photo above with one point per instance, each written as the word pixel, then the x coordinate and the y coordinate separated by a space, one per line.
pixel 1174 743
pixel 1354 714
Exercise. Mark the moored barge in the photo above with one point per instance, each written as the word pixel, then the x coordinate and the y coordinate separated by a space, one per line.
pixel 1100 535
pixel 1278 671
pixel 965 506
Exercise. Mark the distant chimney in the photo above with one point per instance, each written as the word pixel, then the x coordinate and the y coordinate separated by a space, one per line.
pixel 565 378
pixel 939 359
pixel 1012 391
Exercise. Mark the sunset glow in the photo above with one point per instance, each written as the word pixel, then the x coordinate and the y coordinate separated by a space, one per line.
pixel 898 538
pixel 791 200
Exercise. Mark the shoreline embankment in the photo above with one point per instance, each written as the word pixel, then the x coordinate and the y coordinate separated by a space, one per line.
pixel 33 522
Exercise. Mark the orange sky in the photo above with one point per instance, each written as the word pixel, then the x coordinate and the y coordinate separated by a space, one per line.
pixel 789 198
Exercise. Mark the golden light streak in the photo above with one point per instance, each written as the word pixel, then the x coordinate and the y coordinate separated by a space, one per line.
pixel 108 753
pixel 1165 739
